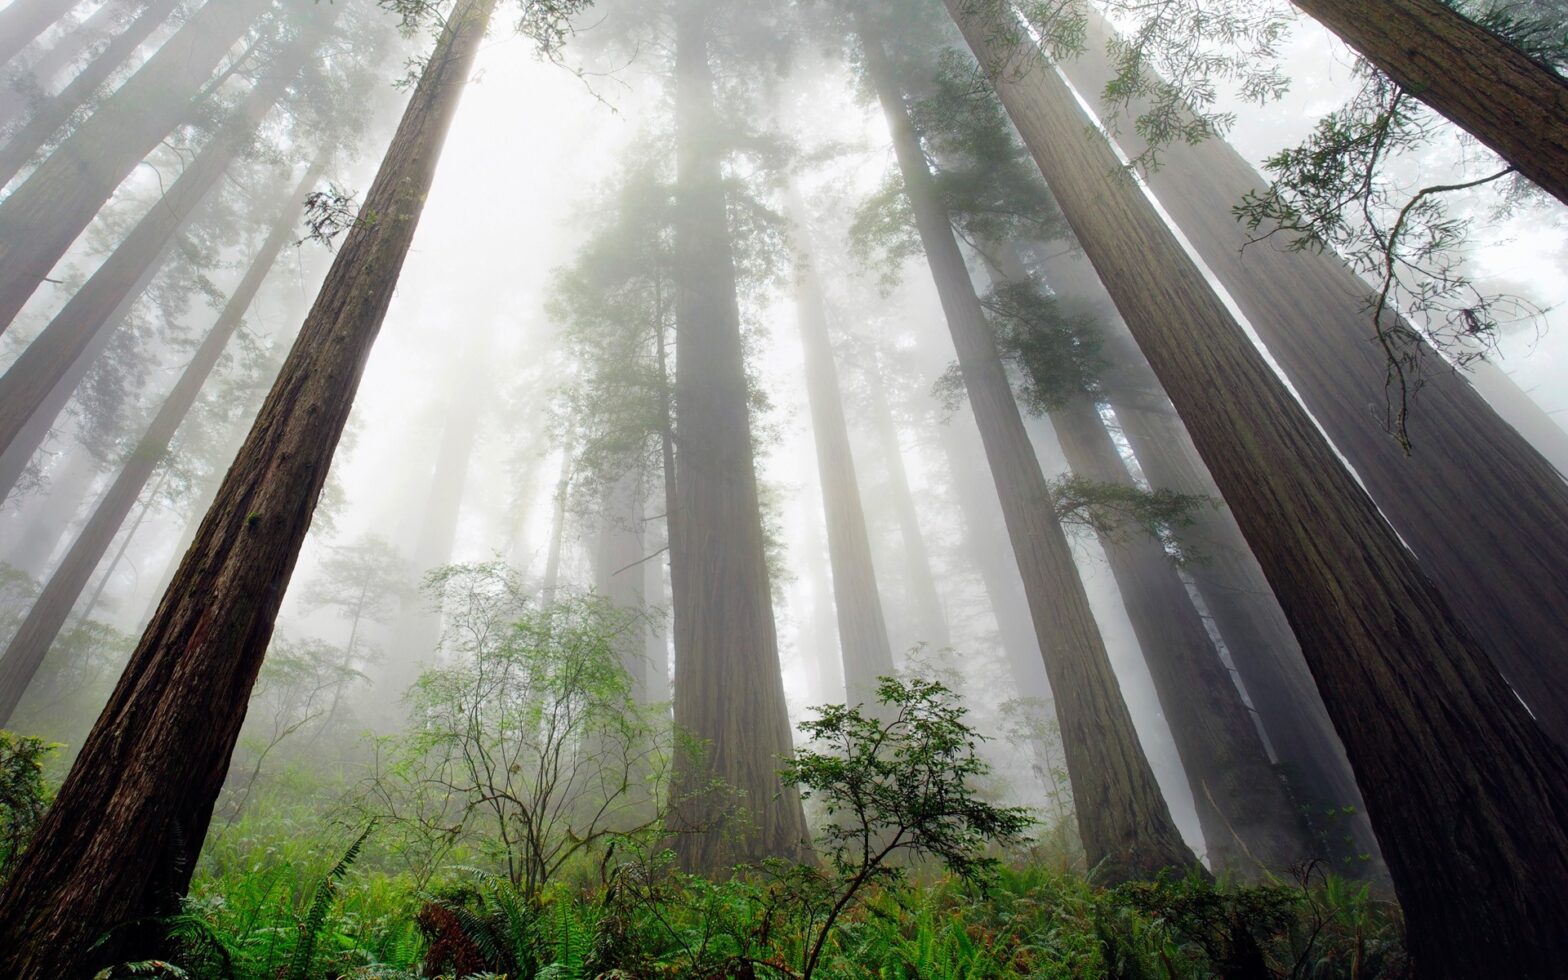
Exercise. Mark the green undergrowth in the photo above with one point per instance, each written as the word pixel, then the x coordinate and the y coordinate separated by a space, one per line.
pixel 308 910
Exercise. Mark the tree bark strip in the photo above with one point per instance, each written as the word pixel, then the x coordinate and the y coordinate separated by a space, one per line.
pixel 728 688
pixel 43 378
pixel 1482 83
pixel 140 796
pixel 24 20
pixel 1124 822
pixel 37 633
pixel 1251 624
pixel 53 111
pixel 47 211
pixel 862 630
pixel 1249 824
pixel 1467 794
pixel 1487 515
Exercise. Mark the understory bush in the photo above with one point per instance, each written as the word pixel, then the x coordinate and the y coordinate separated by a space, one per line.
pixel 916 877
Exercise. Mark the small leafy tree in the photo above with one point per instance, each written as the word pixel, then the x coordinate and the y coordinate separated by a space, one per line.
pixel 897 787
pixel 529 740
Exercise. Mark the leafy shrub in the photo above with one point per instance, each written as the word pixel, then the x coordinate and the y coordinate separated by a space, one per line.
pixel 23 795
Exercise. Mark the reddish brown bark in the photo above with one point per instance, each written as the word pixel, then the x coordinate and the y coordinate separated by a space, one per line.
pixel 139 798
pixel 44 214
pixel 1507 100
pixel 1123 820
pixel 729 692
pixel 1468 795
pixel 33 638
pixel 1487 515
pixel 862 630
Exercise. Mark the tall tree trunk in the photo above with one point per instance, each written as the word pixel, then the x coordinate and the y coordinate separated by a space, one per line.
pixel 141 793
pixel 862 630
pixel 1250 622
pixel 1486 514
pixel 1125 825
pixel 551 580
pixel 728 689
pixel 927 612
pixel 1521 412
pixel 817 635
pixel 32 83
pixel 417 633
pixel 149 499
pixel 1248 823
pixel 1511 102
pixel 985 538
pixel 37 633
pixel 24 20
pixel 43 525
pixel 656 655
pixel 42 217
pixel 1467 794
pixel 54 111
pixel 618 574
pixel 42 379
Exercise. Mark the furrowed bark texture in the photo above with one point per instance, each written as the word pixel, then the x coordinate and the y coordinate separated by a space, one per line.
pixel 31 643
pixel 43 216
pixel 1485 85
pixel 24 20
pixel 53 111
pixel 1467 794
pixel 862 630
pixel 1123 820
pixel 1485 512
pixel 139 798
pixel 1249 824
pixel 1250 622
pixel 44 377
pixel 728 688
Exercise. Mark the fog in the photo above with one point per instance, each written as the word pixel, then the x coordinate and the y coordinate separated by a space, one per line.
pixel 479 395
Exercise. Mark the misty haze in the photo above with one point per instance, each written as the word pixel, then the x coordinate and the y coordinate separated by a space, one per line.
pixel 610 489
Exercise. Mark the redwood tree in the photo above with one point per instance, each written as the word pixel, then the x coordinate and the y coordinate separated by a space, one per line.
pixel 1123 820
pixel 44 214
pixel 862 629
pixel 32 640
pixel 1485 512
pixel 728 688
pixel 1467 794
pixel 53 111
pixel 141 792
pixel 43 378
pixel 1515 104
pixel 24 20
